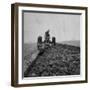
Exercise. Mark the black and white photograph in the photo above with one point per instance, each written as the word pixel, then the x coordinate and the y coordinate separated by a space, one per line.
pixel 49 44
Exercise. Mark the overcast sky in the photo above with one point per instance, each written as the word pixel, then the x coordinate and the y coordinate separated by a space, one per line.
pixel 64 27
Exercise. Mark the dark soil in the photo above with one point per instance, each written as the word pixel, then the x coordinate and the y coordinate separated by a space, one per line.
pixel 57 60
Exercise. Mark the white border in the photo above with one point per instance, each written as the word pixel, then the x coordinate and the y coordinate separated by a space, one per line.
pixel 54 78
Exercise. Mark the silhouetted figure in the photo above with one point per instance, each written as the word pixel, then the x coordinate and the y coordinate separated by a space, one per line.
pixel 47 36
pixel 47 39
